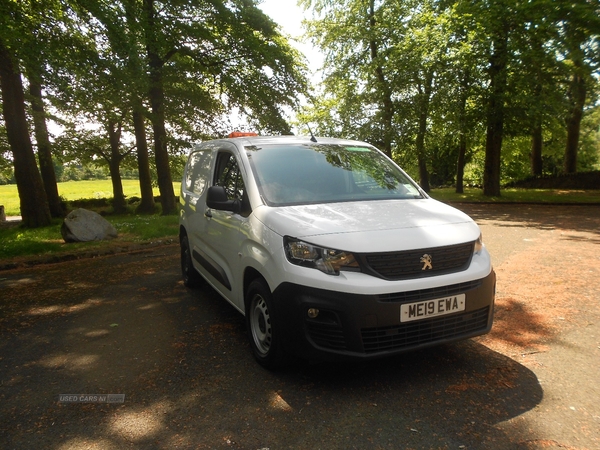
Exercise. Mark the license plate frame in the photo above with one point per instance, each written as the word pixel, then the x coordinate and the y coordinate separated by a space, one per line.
pixel 426 309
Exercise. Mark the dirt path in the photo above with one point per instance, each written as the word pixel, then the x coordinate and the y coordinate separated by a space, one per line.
pixel 124 324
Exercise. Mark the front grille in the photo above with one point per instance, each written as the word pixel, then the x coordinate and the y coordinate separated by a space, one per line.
pixel 410 264
pixel 326 335
pixel 420 332
pixel 429 294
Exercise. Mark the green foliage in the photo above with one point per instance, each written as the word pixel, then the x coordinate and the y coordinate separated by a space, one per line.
pixel 474 168
pixel 411 75
pixel 6 166
pixel 7 174
pixel 78 173
pixel 589 153
pixel 94 61
pixel 390 54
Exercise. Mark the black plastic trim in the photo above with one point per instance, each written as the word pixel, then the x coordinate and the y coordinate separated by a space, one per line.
pixel 213 268
pixel 337 333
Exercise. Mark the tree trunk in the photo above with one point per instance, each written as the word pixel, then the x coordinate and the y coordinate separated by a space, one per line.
pixel 538 105
pixel 156 95
pixel 147 204
pixel 460 165
pixel 462 132
pixel 577 93
pixel 35 211
pixel 423 114
pixel 114 164
pixel 537 145
pixel 495 116
pixel 384 88
pixel 44 148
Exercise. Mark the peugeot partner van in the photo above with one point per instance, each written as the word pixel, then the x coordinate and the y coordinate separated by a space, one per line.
pixel 330 250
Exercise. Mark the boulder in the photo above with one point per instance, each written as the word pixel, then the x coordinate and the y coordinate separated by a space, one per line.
pixel 82 225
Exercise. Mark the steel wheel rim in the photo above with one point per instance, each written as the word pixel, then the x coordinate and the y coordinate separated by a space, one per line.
pixel 260 324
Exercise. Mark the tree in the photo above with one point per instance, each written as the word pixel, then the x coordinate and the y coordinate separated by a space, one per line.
pixel 114 158
pixel 146 205
pixel 157 100
pixel 120 25
pixel 462 125
pixel 44 147
pixel 136 68
pixel 14 40
pixel 98 91
pixel 182 65
pixel 384 62
pixel 34 204
pixel 580 38
pixel 498 62
pixel 384 89
pixel 233 55
pixel 189 62
pixel 448 70
pixel 33 36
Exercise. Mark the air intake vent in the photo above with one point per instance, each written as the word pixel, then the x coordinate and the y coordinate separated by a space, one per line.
pixel 423 331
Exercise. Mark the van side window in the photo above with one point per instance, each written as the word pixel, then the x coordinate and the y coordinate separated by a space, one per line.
pixel 228 175
pixel 198 172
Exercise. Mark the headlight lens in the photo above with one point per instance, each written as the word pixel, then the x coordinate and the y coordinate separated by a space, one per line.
pixel 479 244
pixel 327 260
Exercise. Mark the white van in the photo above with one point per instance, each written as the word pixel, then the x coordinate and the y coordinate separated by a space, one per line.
pixel 330 250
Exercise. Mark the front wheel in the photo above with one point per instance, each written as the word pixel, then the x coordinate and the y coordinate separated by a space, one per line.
pixel 262 326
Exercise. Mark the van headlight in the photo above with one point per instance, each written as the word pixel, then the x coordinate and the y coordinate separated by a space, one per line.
pixel 327 260
pixel 478 244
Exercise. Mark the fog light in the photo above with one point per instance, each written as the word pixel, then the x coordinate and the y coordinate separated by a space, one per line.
pixel 313 313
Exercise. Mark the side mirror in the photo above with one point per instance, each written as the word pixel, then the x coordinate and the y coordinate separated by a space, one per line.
pixel 216 198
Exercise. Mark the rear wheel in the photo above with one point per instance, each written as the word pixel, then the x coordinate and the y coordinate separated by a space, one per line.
pixel 191 277
pixel 262 326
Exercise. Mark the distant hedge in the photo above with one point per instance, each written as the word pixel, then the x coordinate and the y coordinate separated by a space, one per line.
pixel 583 180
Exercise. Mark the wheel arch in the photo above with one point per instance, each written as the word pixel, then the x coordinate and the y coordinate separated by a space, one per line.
pixel 182 232
pixel 251 274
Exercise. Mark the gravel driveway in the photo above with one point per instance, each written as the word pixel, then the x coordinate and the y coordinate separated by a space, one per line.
pixel 124 324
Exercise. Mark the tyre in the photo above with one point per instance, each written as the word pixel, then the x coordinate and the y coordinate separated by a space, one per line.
pixel 262 326
pixel 191 277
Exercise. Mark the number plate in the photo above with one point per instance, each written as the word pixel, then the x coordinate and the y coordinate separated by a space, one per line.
pixel 432 308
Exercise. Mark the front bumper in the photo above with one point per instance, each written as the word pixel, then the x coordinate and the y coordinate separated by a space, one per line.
pixel 360 327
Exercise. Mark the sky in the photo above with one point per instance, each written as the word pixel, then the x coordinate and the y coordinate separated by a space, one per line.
pixel 289 16
pixel 286 13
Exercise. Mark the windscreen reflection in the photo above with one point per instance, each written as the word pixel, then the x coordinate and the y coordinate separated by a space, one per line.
pixel 326 173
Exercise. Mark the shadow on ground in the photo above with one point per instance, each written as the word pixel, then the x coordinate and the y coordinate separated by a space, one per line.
pixel 583 218
pixel 126 325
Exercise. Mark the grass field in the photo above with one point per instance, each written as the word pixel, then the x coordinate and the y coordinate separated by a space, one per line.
pixel 74 190
pixel 513 195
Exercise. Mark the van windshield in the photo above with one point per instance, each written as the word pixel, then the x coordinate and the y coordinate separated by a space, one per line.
pixel 326 173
